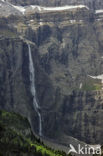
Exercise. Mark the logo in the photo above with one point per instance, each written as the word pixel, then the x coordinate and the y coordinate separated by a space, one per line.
pixel 86 149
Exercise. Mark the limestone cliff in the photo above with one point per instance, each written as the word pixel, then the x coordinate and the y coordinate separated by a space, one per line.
pixel 66 50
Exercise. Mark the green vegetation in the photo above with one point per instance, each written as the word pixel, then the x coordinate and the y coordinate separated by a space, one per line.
pixel 91 84
pixel 8 33
pixel 16 138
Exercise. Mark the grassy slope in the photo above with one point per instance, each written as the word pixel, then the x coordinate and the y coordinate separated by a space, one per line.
pixel 16 138
pixel 91 84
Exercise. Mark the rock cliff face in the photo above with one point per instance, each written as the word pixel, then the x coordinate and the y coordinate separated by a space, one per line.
pixel 66 49
pixel 14 84
pixel 83 112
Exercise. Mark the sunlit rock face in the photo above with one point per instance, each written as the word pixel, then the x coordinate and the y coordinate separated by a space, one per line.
pixel 66 48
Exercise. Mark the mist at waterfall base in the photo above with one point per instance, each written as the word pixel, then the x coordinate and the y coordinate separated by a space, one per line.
pixel 33 89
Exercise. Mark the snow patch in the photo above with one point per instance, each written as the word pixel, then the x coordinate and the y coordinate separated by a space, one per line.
pixel 72 21
pixel 31 20
pixel 98 11
pixel 64 8
pixel 100 77
pixel 40 8
pixel 41 23
pixel 20 8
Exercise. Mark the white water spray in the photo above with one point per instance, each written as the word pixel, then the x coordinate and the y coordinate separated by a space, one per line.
pixel 33 90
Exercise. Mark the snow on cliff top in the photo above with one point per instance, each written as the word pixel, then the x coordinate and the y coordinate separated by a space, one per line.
pixel 41 9
pixel 59 8
pixel 22 10
pixel 99 11
pixel 100 77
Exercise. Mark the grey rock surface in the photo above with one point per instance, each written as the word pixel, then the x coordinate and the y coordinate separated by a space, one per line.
pixel 67 47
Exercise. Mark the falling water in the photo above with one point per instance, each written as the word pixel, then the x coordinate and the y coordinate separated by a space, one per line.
pixel 33 90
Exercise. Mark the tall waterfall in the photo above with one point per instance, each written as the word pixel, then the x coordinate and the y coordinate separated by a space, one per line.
pixel 33 90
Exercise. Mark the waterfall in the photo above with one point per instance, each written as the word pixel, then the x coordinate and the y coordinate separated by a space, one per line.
pixel 33 90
